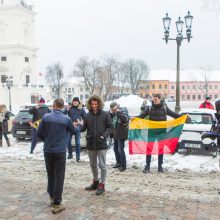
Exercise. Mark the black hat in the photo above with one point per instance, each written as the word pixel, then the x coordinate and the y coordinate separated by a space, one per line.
pixel 75 99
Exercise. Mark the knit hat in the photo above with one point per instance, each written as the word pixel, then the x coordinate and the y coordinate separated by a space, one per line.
pixel 42 100
pixel 75 99
pixel 113 104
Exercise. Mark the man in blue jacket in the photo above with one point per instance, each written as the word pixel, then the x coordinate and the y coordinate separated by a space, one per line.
pixel 53 131
pixel 76 112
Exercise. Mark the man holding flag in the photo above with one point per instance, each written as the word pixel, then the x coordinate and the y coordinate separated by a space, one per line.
pixel 154 138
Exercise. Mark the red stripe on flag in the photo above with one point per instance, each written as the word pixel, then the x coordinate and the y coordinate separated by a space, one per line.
pixel 167 146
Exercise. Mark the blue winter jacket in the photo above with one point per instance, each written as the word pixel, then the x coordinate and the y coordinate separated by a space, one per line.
pixel 53 131
pixel 76 113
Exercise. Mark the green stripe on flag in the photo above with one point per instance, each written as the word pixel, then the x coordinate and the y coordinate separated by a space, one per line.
pixel 152 135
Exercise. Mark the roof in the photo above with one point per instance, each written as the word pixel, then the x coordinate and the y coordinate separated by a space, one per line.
pixel 185 75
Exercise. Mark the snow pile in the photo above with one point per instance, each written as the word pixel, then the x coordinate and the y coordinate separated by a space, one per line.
pixel 131 102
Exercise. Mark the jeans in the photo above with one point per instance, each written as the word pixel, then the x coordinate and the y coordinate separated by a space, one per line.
pixel 119 149
pixel 34 139
pixel 77 141
pixel 0 133
pixel 101 156
pixel 160 160
pixel 55 166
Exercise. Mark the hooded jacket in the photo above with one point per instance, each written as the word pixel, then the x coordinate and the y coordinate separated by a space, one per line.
pixel 38 113
pixel 98 126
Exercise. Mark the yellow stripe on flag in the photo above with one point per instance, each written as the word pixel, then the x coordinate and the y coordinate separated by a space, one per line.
pixel 138 123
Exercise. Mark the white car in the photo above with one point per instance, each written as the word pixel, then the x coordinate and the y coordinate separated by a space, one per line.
pixel 201 120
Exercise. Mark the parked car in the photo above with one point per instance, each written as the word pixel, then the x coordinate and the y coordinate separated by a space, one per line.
pixel 201 120
pixel 21 128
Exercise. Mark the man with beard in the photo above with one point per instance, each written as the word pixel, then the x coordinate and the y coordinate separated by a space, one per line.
pixel 98 125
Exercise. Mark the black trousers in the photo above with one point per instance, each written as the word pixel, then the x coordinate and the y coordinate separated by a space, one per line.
pixel 55 166
pixel 1 133
pixel 160 160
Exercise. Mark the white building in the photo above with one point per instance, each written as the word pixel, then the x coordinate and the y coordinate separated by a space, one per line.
pixel 18 54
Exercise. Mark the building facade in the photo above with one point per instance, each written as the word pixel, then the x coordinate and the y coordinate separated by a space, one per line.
pixel 18 54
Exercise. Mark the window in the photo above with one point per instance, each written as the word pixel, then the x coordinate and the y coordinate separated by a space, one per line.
pixel 188 97
pixel 73 90
pixel 188 87
pixel 210 96
pixel 194 97
pixel 153 86
pixel 27 79
pixel 216 86
pixel 165 86
pixel 147 86
pixel 172 87
pixel 26 59
pixel 183 87
pixel 210 86
pixel 3 58
pixel 216 96
pixel 194 87
pixel 160 86
pixel 199 97
pixel 69 90
pixel 3 78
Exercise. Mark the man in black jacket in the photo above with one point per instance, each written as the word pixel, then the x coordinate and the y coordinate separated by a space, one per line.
pixel 120 133
pixel 38 112
pixel 98 124
pixel 53 131
pixel 157 112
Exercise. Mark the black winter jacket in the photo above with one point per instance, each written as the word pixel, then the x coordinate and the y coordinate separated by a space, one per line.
pixel 38 113
pixel 5 122
pixel 120 131
pixel 99 127
pixel 158 112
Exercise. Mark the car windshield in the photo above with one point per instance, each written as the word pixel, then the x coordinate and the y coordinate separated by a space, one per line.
pixel 23 115
pixel 199 119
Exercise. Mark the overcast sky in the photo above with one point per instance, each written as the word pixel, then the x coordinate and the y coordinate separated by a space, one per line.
pixel 69 29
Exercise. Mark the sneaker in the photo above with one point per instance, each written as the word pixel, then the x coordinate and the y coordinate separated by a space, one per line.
pixel 122 169
pixel 116 166
pixel 101 189
pixel 70 156
pixel 160 170
pixel 93 186
pixel 77 160
pixel 146 169
pixel 57 208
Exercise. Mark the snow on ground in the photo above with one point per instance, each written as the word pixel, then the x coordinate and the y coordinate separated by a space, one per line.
pixel 177 162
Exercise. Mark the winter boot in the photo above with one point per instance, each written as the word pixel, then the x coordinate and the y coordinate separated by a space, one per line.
pixel 101 189
pixel 57 208
pixel 0 143
pixel 93 186
pixel 8 143
pixel 146 169
pixel 70 156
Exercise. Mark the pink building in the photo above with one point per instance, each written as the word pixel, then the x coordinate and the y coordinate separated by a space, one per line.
pixel 195 91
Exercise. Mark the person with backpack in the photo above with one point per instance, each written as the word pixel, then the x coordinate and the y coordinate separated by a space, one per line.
pixel 120 122
pixel 207 104
pixel 38 112
pixel 157 112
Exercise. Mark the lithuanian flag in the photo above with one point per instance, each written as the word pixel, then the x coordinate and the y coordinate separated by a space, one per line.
pixel 154 137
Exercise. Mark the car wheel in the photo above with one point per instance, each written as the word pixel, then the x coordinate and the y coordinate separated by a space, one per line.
pixel 20 139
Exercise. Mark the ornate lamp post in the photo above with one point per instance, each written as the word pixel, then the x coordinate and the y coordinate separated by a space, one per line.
pixel 179 38
pixel 9 83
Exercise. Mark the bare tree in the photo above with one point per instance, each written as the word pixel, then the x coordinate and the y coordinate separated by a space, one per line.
pixel 136 70
pixel 107 75
pixel 121 78
pixel 204 84
pixel 89 71
pixel 54 78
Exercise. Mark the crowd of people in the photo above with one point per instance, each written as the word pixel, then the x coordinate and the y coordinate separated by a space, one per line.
pixel 57 127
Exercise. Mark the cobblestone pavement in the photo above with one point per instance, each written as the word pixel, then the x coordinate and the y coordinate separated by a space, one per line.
pixel 130 195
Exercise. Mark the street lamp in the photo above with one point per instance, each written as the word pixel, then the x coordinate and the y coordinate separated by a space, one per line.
pixel 9 83
pixel 179 38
